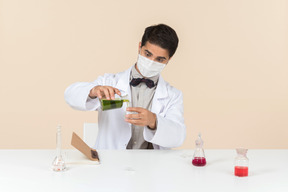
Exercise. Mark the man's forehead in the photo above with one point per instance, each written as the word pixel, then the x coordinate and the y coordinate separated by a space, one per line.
pixel 156 50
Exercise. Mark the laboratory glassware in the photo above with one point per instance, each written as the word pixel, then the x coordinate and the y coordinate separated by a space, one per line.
pixel 241 163
pixel 59 162
pixel 114 104
pixel 199 155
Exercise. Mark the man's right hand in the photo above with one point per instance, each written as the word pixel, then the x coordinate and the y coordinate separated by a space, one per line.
pixel 104 91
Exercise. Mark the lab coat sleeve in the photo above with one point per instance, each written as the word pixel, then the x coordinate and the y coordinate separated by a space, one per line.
pixel 171 130
pixel 77 96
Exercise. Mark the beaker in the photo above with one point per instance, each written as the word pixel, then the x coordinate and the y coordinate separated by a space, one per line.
pixel 113 104
pixel 241 163
pixel 199 155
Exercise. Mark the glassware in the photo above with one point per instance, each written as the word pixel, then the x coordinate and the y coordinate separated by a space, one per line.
pixel 199 156
pixel 241 163
pixel 114 104
pixel 58 163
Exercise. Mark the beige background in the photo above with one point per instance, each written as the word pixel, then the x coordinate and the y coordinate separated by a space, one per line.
pixel 231 65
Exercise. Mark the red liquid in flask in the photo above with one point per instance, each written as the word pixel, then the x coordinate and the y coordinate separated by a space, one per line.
pixel 199 161
pixel 241 171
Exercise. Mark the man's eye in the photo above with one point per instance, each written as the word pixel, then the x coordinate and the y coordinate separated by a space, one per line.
pixel 148 55
pixel 160 60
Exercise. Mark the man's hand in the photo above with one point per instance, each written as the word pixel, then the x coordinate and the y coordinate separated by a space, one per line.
pixel 142 118
pixel 104 91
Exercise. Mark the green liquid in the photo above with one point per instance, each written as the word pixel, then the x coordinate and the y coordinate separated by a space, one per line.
pixel 112 104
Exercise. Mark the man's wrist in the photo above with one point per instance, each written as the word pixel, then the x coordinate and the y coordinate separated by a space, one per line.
pixel 154 125
pixel 92 97
pixel 92 92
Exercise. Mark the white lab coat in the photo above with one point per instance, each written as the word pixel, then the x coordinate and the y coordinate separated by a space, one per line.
pixel 114 132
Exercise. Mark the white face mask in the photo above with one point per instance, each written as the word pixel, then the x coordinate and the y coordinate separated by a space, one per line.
pixel 149 68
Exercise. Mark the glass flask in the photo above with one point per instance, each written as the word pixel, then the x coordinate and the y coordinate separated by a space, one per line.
pixel 199 156
pixel 241 163
pixel 58 163
pixel 113 104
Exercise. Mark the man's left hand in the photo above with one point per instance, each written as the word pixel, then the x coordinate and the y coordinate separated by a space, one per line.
pixel 142 118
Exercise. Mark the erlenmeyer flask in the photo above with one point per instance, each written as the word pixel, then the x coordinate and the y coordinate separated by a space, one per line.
pixel 199 156
pixel 241 163
pixel 113 104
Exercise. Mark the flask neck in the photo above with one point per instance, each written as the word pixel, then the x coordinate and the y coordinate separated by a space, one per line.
pixel 242 156
pixel 58 141
pixel 199 152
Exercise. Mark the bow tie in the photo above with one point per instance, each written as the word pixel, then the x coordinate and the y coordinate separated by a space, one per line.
pixel 136 81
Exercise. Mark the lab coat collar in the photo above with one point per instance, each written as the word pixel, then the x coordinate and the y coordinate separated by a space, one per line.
pixel 161 94
pixel 123 82
pixel 161 89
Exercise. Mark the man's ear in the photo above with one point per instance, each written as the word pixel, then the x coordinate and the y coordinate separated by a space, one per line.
pixel 139 47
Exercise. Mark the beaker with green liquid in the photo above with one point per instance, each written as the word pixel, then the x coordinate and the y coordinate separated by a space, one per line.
pixel 114 104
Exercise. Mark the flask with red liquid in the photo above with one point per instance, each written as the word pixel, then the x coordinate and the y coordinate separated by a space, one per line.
pixel 241 163
pixel 199 156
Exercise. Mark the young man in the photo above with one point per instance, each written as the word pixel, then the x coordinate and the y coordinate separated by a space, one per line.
pixel 156 119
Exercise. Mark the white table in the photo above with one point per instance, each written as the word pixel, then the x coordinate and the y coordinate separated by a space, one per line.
pixel 142 170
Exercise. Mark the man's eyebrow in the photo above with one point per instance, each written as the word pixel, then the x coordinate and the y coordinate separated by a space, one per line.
pixel 148 52
pixel 161 58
